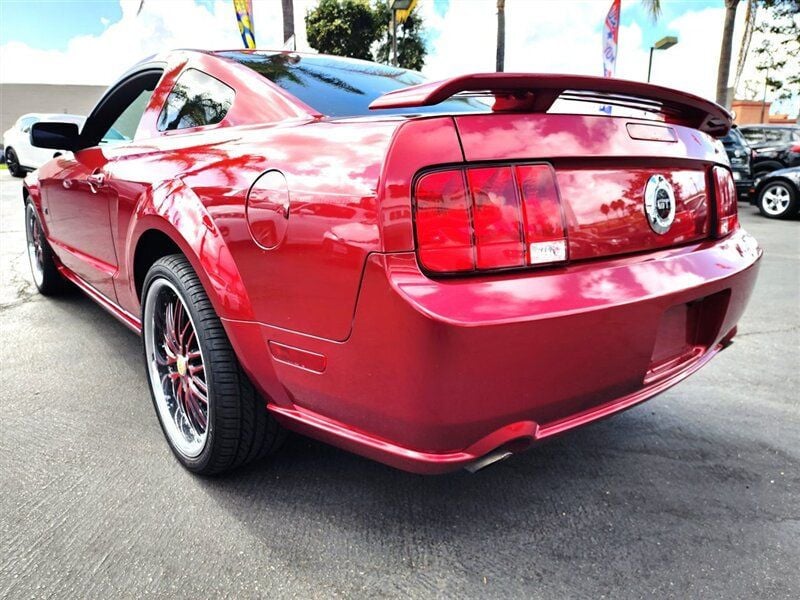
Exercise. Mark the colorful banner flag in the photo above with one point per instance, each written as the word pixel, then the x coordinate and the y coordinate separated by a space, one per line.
pixel 610 36
pixel 402 15
pixel 244 16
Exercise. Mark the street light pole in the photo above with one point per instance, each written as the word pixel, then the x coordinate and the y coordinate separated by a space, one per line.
pixel 394 37
pixel 394 7
pixel 662 44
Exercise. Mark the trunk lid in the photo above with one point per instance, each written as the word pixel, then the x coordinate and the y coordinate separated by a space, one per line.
pixel 634 166
pixel 602 166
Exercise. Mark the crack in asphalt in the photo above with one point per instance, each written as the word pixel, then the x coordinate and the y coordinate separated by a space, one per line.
pixel 768 331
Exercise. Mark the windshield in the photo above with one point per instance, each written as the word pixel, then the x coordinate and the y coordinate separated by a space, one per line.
pixel 734 136
pixel 342 87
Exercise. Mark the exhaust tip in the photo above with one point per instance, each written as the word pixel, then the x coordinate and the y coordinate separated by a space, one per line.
pixel 488 460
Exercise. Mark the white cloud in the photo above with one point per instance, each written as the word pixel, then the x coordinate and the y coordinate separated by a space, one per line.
pixel 543 35
pixel 162 25
pixel 564 37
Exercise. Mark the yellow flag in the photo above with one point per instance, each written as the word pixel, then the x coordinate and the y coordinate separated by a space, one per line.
pixel 402 15
pixel 244 16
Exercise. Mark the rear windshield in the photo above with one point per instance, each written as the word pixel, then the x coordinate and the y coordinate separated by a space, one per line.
pixel 342 87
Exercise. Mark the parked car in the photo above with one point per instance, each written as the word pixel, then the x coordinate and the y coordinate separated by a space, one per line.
pixel 393 266
pixel 778 194
pixel 20 156
pixel 775 147
pixel 739 154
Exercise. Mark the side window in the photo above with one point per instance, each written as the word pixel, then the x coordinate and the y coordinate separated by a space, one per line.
pixel 124 127
pixel 753 135
pixel 116 117
pixel 196 99
pixel 776 135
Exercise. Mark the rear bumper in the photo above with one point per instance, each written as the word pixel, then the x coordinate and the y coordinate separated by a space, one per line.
pixel 436 374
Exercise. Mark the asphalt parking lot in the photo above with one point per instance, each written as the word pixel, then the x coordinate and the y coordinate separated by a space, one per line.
pixel 693 494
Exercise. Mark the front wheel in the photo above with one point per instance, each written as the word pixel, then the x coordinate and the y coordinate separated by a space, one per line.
pixel 777 200
pixel 210 413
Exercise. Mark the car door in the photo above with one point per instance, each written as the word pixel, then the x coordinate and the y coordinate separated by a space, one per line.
pixel 78 198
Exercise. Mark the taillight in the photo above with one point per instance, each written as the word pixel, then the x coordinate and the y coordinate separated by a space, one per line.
pixel 486 218
pixel 795 148
pixel 726 201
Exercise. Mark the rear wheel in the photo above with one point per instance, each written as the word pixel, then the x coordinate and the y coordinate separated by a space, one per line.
pixel 210 413
pixel 12 162
pixel 45 274
pixel 777 200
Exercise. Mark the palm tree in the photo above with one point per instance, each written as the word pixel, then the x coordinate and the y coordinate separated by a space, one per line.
pixel 288 19
pixel 653 7
pixel 501 35
pixel 724 68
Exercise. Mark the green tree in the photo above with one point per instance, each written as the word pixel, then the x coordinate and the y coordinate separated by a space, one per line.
pixel 653 7
pixel 779 52
pixel 343 27
pixel 411 50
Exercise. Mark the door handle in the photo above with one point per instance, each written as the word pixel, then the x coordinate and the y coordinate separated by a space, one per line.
pixel 95 181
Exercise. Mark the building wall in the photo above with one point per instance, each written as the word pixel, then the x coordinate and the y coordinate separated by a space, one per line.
pixel 750 112
pixel 17 99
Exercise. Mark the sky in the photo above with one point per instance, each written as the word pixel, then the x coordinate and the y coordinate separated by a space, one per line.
pixel 93 42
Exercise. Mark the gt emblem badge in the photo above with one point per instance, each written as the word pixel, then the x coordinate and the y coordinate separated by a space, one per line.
pixel 181 366
pixel 659 204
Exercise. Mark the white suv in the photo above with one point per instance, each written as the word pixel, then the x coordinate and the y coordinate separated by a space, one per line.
pixel 20 156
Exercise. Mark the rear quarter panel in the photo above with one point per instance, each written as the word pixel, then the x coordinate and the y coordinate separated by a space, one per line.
pixel 198 183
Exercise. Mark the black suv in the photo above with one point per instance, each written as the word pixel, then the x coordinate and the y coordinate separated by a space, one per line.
pixel 739 154
pixel 775 147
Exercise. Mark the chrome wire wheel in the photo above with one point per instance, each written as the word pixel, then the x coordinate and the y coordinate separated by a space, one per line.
pixel 775 199
pixel 177 369
pixel 35 238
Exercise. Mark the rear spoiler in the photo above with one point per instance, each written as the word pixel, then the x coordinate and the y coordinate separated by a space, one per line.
pixel 527 92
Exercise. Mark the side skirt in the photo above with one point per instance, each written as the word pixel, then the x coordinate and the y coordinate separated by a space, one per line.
pixel 130 321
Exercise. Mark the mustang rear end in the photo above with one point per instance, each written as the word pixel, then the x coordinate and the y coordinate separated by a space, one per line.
pixel 435 277
pixel 539 269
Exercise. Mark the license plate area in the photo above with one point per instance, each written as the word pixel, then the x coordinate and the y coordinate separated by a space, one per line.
pixel 685 332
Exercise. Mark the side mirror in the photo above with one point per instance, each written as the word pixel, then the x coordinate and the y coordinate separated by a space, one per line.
pixel 54 135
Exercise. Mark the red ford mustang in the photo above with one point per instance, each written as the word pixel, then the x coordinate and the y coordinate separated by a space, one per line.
pixel 433 275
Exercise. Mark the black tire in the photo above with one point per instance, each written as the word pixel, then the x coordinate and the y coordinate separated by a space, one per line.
pixel 12 162
pixel 777 199
pixel 44 271
pixel 239 429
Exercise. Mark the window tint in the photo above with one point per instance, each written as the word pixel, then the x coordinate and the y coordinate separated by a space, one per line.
pixel 197 99
pixel 342 87
pixel 752 134
pixel 777 135
pixel 734 136
pixel 124 128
